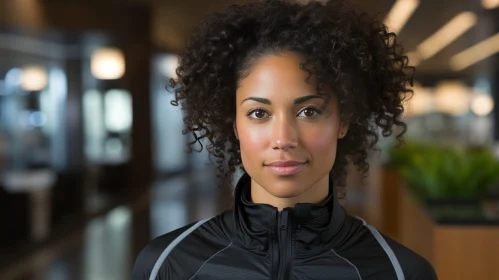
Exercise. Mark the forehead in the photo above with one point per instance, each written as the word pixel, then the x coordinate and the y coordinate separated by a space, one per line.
pixel 277 75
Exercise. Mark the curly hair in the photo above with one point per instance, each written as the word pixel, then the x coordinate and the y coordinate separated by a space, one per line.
pixel 347 50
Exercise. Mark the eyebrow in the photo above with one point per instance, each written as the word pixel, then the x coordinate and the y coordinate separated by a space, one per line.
pixel 296 101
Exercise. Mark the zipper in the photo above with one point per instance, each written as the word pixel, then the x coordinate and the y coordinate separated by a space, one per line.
pixel 284 236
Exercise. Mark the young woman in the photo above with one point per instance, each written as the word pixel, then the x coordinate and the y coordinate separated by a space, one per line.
pixel 291 93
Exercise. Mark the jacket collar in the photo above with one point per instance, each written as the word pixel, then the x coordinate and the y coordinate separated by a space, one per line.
pixel 315 226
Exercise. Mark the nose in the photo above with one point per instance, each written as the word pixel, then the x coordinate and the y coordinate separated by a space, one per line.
pixel 284 134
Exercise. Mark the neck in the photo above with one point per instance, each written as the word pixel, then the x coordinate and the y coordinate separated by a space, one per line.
pixel 314 194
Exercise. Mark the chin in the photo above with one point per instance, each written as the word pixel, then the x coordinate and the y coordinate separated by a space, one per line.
pixel 285 188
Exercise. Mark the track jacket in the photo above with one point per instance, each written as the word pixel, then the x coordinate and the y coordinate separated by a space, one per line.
pixel 257 242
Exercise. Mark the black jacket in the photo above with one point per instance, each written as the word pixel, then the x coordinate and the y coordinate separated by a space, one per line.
pixel 256 241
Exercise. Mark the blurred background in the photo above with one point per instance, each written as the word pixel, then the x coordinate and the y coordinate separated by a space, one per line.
pixel 92 161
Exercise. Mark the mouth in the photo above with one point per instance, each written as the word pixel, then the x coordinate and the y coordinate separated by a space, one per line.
pixel 285 168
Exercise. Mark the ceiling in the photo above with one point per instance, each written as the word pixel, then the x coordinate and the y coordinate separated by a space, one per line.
pixel 173 20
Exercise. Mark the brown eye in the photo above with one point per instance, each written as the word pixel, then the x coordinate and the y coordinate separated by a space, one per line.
pixel 308 113
pixel 258 114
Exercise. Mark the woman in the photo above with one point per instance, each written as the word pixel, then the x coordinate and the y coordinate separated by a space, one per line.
pixel 290 93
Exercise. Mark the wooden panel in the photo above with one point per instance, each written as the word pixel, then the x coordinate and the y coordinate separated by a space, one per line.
pixel 389 191
pixel 416 227
pixel 467 252
pixel 373 202
pixel 456 252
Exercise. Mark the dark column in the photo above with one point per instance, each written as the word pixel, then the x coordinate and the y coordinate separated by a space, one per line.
pixel 138 53
pixel 75 160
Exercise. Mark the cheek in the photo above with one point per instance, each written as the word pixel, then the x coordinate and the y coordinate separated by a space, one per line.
pixel 252 140
pixel 321 142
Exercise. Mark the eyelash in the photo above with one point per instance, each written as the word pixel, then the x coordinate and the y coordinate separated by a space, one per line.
pixel 317 111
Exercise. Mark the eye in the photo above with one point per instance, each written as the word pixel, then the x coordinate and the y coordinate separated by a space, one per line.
pixel 257 114
pixel 309 113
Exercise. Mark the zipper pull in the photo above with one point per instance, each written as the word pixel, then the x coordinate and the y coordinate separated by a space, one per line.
pixel 284 220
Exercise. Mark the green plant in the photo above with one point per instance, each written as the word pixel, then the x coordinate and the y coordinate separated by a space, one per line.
pixel 403 155
pixel 444 173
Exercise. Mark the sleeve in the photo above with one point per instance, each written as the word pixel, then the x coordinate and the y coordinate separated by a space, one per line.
pixel 414 266
pixel 148 257
pixel 422 270
pixel 144 264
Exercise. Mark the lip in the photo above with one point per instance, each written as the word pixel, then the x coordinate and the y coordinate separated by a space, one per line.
pixel 285 168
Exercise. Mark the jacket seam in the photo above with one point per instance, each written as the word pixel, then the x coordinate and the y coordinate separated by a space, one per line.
pixel 345 259
pixel 205 262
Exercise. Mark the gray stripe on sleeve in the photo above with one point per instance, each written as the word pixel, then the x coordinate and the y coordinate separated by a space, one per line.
pixel 172 245
pixel 387 248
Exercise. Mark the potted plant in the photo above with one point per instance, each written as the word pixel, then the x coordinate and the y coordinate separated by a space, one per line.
pixel 384 198
pixel 442 214
pixel 452 183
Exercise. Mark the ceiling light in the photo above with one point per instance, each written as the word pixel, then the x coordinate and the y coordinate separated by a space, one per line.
pixel 490 4
pixel 482 104
pixel 447 34
pixel 475 53
pixel 33 78
pixel 399 14
pixel 108 64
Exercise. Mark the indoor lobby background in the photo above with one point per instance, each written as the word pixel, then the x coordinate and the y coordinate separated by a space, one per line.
pixel 92 155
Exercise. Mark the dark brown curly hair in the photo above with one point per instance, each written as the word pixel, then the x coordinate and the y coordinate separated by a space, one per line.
pixel 347 50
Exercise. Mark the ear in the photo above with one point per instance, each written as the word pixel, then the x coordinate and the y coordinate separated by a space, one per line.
pixel 343 130
pixel 235 130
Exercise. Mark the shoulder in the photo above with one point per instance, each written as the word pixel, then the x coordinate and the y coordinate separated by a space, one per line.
pixel 151 254
pixel 151 259
pixel 414 266
pixel 179 245
pixel 378 256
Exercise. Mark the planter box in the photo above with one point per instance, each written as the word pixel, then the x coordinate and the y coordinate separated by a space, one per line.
pixel 457 251
pixel 382 205
pixel 390 192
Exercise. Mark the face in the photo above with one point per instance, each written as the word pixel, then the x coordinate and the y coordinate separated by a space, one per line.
pixel 287 132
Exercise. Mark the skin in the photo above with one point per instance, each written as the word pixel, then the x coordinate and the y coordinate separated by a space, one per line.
pixel 271 126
